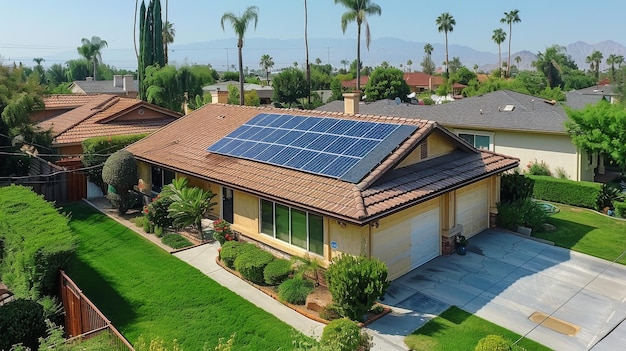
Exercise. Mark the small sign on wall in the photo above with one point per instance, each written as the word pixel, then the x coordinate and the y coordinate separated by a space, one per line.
pixel 333 245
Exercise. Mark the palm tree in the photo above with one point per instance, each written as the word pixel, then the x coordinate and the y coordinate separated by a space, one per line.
pixel 168 37
pixel 306 45
pixel 428 49
pixel 475 68
pixel 345 63
pixel 240 25
pixel 594 61
pixel 518 59
pixel 499 36
pixel 619 61
pixel 611 62
pixel 267 62
pixel 90 50
pixel 548 63
pixel 357 12
pixel 409 63
pixel 510 18
pixel 446 23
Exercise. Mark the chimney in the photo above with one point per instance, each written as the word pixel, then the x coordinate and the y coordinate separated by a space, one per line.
pixel 128 84
pixel 89 79
pixel 351 103
pixel 117 81
pixel 219 97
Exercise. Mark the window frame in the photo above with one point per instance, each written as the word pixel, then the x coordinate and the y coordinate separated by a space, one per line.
pixel 475 133
pixel 163 172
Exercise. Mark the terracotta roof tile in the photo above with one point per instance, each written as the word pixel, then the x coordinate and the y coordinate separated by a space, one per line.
pixel 182 145
pixel 65 101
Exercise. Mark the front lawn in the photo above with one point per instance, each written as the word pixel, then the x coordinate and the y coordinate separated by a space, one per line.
pixel 456 329
pixel 588 232
pixel 146 291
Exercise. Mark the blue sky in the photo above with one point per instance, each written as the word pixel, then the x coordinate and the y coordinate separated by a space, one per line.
pixel 53 29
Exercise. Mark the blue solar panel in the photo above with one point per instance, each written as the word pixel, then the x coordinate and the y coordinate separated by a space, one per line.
pixel 338 148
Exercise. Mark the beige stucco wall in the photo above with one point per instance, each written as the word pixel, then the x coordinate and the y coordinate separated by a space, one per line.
pixel 437 145
pixel 555 150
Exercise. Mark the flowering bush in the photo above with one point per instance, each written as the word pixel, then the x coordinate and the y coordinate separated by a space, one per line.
pixel 222 231
pixel 157 212
pixel 538 168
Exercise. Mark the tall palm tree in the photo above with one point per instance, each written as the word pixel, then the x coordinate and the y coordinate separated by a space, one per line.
pixel 510 18
pixel 619 61
pixel 446 23
pixel 594 61
pixel 345 64
pixel 240 25
pixel 266 63
pixel 611 62
pixel 409 63
pixel 499 36
pixel 306 45
pixel 518 59
pixel 91 50
pixel 168 37
pixel 358 10
pixel 428 49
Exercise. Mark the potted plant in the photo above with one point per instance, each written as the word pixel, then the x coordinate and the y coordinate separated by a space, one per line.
pixel 461 244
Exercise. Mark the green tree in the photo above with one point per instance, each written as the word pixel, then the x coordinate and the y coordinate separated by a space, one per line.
pixel 455 64
pixel 550 62
pixel 463 75
pixel 510 18
pixel 151 52
pixel 600 128
pixel 445 23
pixel 409 63
pixel 357 11
pixel 240 25
pixel 91 50
pixel 167 86
pixel 386 83
pixel 594 61
pixel 428 65
pixel 168 38
pixel 289 86
pixel 498 37
pixel 120 172
pixel 189 204
pixel 56 74
pixel 345 63
pixel 266 63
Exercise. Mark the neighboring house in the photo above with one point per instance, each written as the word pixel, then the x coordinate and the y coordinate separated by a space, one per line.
pixel 527 127
pixel 418 82
pixel 120 85
pixel 100 115
pixel 264 92
pixel 317 184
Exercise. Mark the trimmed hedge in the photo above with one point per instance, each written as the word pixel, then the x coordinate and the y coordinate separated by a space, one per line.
pixel 232 249
pixel 21 321
pixel 569 192
pixel 277 271
pixel 251 264
pixel 36 242
pixel 620 209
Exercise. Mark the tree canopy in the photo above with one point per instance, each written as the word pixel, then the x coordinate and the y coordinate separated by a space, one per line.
pixel 289 86
pixel 91 51
pixel 600 128
pixel 386 83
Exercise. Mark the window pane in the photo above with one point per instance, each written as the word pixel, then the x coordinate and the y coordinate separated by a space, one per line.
pixel 168 176
pixel 282 222
pixel 267 217
pixel 157 179
pixel 467 137
pixel 482 142
pixel 316 234
pixel 298 228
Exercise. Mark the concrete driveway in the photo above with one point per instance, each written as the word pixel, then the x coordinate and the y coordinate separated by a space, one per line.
pixel 506 279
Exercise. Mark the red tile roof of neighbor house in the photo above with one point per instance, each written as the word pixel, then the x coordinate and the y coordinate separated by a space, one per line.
pixel 103 115
pixel 182 146
pixel 421 79
pixel 65 101
pixel 352 82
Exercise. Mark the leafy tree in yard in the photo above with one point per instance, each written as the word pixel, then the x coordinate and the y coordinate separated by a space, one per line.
pixel 600 128
pixel 166 86
pixel 386 83
pixel 554 63
pixel 463 75
pixel 289 86
pixel 189 205
pixel 120 172
pixel 355 284
pixel 240 26
pixel 151 52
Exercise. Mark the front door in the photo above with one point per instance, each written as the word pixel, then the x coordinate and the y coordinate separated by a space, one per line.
pixel 227 204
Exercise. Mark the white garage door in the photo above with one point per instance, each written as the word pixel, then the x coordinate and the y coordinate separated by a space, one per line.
pixel 410 243
pixel 473 208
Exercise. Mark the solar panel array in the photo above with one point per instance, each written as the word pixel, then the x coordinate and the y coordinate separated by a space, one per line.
pixel 337 148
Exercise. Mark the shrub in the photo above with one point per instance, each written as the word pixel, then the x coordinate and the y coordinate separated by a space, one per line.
pixel 120 172
pixel 493 343
pixel 620 209
pixel 176 241
pixel 139 221
pixel 251 264
pixel 538 168
pixel 232 249
pixel 526 213
pixel 580 194
pixel 158 231
pixel 345 335
pixel 508 217
pixel 188 204
pixel 608 194
pixel 21 321
pixel 329 312
pixel 515 186
pixel 277 271
pixel 222 231
pixel 157 212
pixel 355 284
pixel 295 290
pixel 561 173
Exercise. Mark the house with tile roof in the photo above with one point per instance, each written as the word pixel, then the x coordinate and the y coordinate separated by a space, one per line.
pixel 97 116
pixel 319 184
pixel 124 86
pixel 524 126
pixel 418 82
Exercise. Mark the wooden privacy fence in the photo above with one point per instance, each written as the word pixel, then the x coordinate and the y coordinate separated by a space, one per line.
pixel 83 319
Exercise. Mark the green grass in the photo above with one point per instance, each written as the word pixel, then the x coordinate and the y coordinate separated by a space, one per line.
pixel 456 329
pixel 588 232
pixel 176 241
pixel 145 291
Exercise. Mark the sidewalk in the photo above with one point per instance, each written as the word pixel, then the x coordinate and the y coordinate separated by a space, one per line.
pixel 203 258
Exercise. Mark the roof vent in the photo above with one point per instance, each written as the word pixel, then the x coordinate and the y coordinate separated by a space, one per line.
pixel 508 108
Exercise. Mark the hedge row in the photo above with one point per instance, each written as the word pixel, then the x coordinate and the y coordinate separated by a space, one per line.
pixel 35 242
pixel 620 209
pixel 255 264
pixel 580 194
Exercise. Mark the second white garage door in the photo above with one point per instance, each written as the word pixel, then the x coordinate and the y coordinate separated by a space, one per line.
pixel 473 208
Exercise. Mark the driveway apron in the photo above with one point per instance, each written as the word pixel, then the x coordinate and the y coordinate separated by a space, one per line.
pixel 505 278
